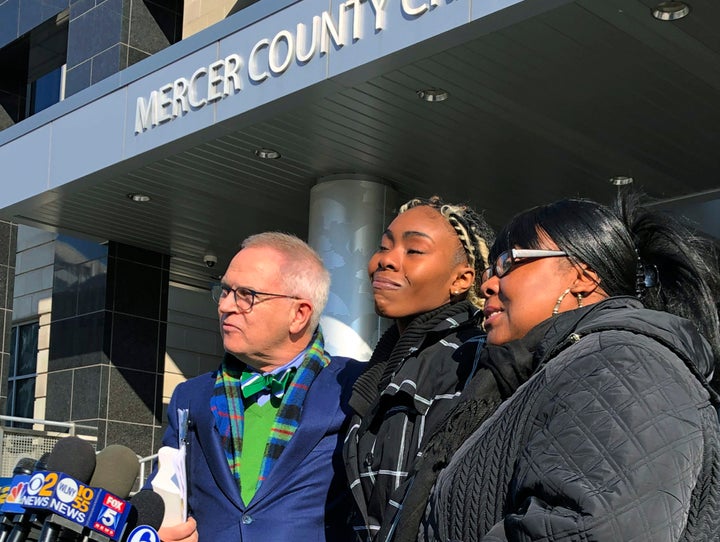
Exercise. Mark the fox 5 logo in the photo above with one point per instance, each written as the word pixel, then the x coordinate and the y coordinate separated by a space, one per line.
pixel 107 520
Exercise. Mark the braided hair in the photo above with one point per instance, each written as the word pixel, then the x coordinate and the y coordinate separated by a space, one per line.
pixel 474 234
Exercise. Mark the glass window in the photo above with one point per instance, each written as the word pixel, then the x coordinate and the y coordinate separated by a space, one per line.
pixel 45 91
pixel 33 76
pixel 23 370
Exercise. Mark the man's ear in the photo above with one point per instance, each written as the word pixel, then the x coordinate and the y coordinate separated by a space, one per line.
pixel 300 316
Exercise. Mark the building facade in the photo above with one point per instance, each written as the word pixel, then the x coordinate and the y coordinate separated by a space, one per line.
pixel 141 141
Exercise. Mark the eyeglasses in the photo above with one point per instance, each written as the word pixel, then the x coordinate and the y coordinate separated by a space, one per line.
pixel 244 297
pixel 508 260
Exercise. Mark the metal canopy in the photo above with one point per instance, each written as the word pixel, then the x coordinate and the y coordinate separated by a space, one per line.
pixel 551 107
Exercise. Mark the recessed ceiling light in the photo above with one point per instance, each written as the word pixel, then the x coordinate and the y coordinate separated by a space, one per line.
pixel 139 198
pixel 670 11
pixel 432 94
pixel 267 154
pixel 621 181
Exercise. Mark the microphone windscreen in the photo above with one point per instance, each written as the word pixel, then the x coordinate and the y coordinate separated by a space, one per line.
pixel 150 508
pixel 41 463
pixel 74 457
pixel 116 469
pixel 25 466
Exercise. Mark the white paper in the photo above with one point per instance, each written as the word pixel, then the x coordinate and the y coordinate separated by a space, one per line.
pixel 170 482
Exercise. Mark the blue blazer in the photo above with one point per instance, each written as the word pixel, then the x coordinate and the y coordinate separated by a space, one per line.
pixel 305 496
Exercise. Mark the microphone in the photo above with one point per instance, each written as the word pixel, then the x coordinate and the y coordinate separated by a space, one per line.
pixel 77 509
pixel 9 508
pixel 116 471
pixel 41 464
pixel 71 457
pixel 25 466
pixel 147 513
pixel 117 468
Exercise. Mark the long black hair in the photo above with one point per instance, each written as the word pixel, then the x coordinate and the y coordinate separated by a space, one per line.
pixel 634 250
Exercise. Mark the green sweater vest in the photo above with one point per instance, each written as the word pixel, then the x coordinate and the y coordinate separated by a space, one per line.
pixel 258 422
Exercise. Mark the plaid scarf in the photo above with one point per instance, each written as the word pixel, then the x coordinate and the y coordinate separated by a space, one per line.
pixel 227 406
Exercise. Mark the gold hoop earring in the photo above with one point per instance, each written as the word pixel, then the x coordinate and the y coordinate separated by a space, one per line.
pixel 556 309
pixel 579 299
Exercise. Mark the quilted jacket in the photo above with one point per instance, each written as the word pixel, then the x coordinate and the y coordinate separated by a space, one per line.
pixel 614 438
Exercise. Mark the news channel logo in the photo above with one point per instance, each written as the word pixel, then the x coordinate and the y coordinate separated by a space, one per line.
pixel 143 533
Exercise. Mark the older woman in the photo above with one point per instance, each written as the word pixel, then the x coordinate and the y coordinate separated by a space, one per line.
pixel 615 435
pixel 423 277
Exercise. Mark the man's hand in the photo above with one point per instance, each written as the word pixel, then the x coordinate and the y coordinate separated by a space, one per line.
pixel 184 532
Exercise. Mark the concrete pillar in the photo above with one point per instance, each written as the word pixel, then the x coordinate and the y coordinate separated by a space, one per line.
pixel 348 214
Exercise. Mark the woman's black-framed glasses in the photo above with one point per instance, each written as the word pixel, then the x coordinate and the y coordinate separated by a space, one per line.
pixel 510 259
pixel 244 297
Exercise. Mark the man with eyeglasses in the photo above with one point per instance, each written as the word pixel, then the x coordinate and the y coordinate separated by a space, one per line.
pixel 264 431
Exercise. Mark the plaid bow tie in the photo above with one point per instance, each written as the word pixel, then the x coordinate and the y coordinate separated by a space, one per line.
pixel 252 383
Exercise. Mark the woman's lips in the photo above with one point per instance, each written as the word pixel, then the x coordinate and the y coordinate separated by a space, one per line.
pixel 383 283
pixel 491 313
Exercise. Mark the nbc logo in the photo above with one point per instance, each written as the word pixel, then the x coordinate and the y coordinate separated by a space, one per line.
pixel 16 492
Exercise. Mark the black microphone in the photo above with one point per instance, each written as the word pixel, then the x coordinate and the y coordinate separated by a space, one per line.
pixel 72 456
pixel 148 511
pixel 41 464
pixel 25 466
pixel 22 470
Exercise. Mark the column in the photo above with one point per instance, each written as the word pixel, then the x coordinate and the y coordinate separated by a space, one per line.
pixel 348 214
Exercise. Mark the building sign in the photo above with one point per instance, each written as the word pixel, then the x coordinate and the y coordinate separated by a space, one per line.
pixel 269 56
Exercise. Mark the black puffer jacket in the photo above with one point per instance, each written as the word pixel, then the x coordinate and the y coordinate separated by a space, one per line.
pixel 615 437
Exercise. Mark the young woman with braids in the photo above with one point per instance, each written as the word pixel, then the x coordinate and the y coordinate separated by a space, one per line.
pixel 615 434
pixel 423 277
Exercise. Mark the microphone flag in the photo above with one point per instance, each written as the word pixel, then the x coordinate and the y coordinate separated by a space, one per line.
pixel 12 498
pixel 89 507
pixel 5 485
pixel 143 533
